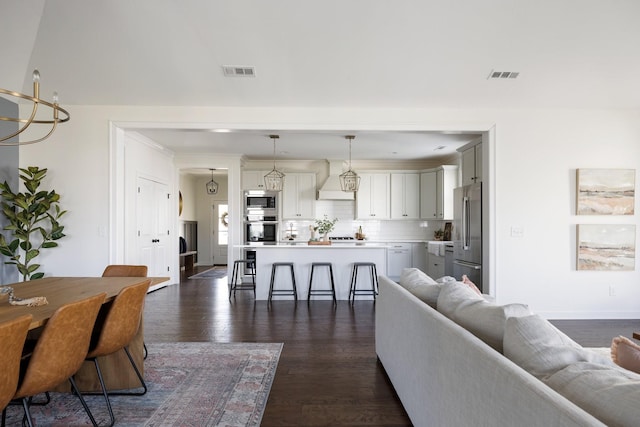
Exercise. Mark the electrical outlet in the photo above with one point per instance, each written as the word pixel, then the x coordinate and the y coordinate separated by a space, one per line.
pixel 612 291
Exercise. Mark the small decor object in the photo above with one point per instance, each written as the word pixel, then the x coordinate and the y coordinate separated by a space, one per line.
pixel 33 218
pixel 325 225
pixel 52 121
pixel 359 234
pixel 606 247
pixel 438 234
pixel 605 191
pixel 447 231
pixel 30 302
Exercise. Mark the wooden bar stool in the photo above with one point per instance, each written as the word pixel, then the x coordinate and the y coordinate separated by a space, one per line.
pixel 291 292
pixel 353 290
pixel 331 291
pixel 234 285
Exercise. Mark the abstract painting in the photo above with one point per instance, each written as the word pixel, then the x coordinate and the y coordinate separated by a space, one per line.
pixel 606 191
pixel 606 247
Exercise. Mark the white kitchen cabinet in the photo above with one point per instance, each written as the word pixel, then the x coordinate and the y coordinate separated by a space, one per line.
pixel 398 258
pixel 405 196
pixel 253 180
pixel 299 196
pixel 436 192
pixel 372 198
pixel 435 267
pixel 471 164
pixel 419 256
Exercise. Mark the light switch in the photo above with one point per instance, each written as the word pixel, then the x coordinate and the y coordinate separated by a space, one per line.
pixel 517 231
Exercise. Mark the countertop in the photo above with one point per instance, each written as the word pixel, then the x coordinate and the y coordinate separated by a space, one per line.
pixel 305 245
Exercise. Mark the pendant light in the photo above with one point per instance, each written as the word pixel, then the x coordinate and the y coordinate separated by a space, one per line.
pixel 274 180
pixel 349 180
pixel 212 186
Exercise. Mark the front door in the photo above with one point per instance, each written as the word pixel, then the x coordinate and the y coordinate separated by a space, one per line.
pixel 220 220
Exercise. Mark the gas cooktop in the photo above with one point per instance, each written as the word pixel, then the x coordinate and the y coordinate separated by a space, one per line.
pixel 341 238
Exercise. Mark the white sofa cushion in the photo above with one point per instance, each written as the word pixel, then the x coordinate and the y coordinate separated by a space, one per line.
pixel 540 348
pixel 482 318
pixel 421 285
pixel 610 394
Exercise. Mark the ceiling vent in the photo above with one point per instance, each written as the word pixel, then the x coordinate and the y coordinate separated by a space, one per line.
pixel 503 74
pixel 237 71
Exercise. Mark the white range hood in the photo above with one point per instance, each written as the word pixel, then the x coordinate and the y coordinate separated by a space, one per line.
pixel 331 189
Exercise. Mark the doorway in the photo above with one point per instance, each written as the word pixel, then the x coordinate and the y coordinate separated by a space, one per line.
pixel 220 234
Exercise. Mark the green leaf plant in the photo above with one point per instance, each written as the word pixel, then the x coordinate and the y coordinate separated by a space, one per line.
pixel 33 218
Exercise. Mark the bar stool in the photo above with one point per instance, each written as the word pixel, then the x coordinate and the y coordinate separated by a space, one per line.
pixel 234 285
pixel 353 291
pixel 276 292
pixel 331 291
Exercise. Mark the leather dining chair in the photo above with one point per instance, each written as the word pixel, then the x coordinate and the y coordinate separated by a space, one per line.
pixel 60 351
pixel 115 330
pixel 13 334
pixel 125 270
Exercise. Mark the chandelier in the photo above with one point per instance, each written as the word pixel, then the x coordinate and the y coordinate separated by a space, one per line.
pixel 349 180
pixel 274 180
pixel 25 123
pixel 212 186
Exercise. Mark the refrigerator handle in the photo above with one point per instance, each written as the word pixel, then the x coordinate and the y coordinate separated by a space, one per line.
pixel 468 264
pixel 465 224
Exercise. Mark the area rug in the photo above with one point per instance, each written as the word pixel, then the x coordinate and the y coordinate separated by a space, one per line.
pixel 190 384
pixel 212 273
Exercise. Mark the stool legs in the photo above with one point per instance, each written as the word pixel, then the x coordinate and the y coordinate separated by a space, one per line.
pixel 331 291
pixel 234 286
pixel 373 273
pixel 292 292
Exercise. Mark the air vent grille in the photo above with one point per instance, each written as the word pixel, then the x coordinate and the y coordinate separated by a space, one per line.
pixel 503 74
pixel 238 71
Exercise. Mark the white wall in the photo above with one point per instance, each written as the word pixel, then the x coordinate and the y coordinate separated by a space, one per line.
pixel 534 159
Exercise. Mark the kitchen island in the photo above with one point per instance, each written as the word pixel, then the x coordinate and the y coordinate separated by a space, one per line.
pixel 341 255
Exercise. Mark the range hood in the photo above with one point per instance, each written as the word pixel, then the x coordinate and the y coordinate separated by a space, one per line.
pixel 331 189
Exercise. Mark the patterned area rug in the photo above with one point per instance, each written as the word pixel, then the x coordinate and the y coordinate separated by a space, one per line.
pixel 190 384
pixel 212 273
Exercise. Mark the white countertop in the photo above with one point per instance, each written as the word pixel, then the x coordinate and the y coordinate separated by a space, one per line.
pixel 305 245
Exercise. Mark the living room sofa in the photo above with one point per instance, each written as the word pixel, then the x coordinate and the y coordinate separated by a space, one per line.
pixel 446 375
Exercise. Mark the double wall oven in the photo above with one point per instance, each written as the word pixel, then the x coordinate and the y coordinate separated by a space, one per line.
pixel 260 220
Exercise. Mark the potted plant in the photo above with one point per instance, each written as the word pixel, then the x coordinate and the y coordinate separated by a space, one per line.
pixel 33 222
pixel 325 225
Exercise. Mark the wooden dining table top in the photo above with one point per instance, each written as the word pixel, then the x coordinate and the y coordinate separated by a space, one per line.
pixel 62 290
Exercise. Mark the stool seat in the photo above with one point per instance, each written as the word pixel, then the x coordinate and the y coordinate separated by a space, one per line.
pixel 353 289
pixel 282 292
pixel 331 291
pixel 234 285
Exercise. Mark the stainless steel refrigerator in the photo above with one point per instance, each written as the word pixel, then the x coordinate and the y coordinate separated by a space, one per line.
pixel 467 233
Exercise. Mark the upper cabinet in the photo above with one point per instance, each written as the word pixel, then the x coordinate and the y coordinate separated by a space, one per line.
pixel 471 163
pixel 372 199
pixel 436 192
pixel 253 180
pixel 299 196
pixel 405 196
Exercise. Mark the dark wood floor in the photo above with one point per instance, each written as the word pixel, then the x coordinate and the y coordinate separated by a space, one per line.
pixel 328 373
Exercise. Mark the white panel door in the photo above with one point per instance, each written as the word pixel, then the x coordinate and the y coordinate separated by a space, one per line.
pixel 152 212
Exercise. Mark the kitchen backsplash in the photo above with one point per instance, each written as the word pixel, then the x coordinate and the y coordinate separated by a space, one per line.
pixel 378 230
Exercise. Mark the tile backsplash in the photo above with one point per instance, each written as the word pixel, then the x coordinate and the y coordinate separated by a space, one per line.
pixel 378 230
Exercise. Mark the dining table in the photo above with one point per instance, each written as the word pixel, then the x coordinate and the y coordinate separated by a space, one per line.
pixel 58 291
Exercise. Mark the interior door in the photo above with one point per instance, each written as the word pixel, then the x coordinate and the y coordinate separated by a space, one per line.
pixel 220 238
pixel 152 212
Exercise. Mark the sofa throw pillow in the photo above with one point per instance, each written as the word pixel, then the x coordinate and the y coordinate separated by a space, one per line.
pixel 626 353
pixel 482 318
pixel 541 349
pixel 420 285
pixel 610 394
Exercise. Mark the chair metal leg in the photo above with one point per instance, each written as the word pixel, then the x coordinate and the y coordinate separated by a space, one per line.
pixel 27 412
pixel 104 392
pixel 84 404
pixel 146 352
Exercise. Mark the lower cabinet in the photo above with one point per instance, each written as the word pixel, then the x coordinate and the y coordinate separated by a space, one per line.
pixel 435 267
pixel 398 258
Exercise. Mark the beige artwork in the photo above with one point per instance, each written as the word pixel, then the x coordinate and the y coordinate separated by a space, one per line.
pixel 607 247
pixel 605 191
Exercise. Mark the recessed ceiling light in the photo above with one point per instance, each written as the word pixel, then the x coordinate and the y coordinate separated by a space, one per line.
pixel 221 130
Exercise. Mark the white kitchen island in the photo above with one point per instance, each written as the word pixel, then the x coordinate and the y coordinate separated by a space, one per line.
pixel 341 255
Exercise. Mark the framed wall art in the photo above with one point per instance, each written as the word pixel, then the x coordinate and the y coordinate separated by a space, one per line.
pixel 606 247
pixel 605 191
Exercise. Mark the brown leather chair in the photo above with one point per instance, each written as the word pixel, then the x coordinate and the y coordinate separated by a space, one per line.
pixel 115 330
pixel 124 270
pixel 60 351
pixel 12 336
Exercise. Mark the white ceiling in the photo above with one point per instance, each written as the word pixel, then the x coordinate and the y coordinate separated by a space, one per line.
pixel 331 53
